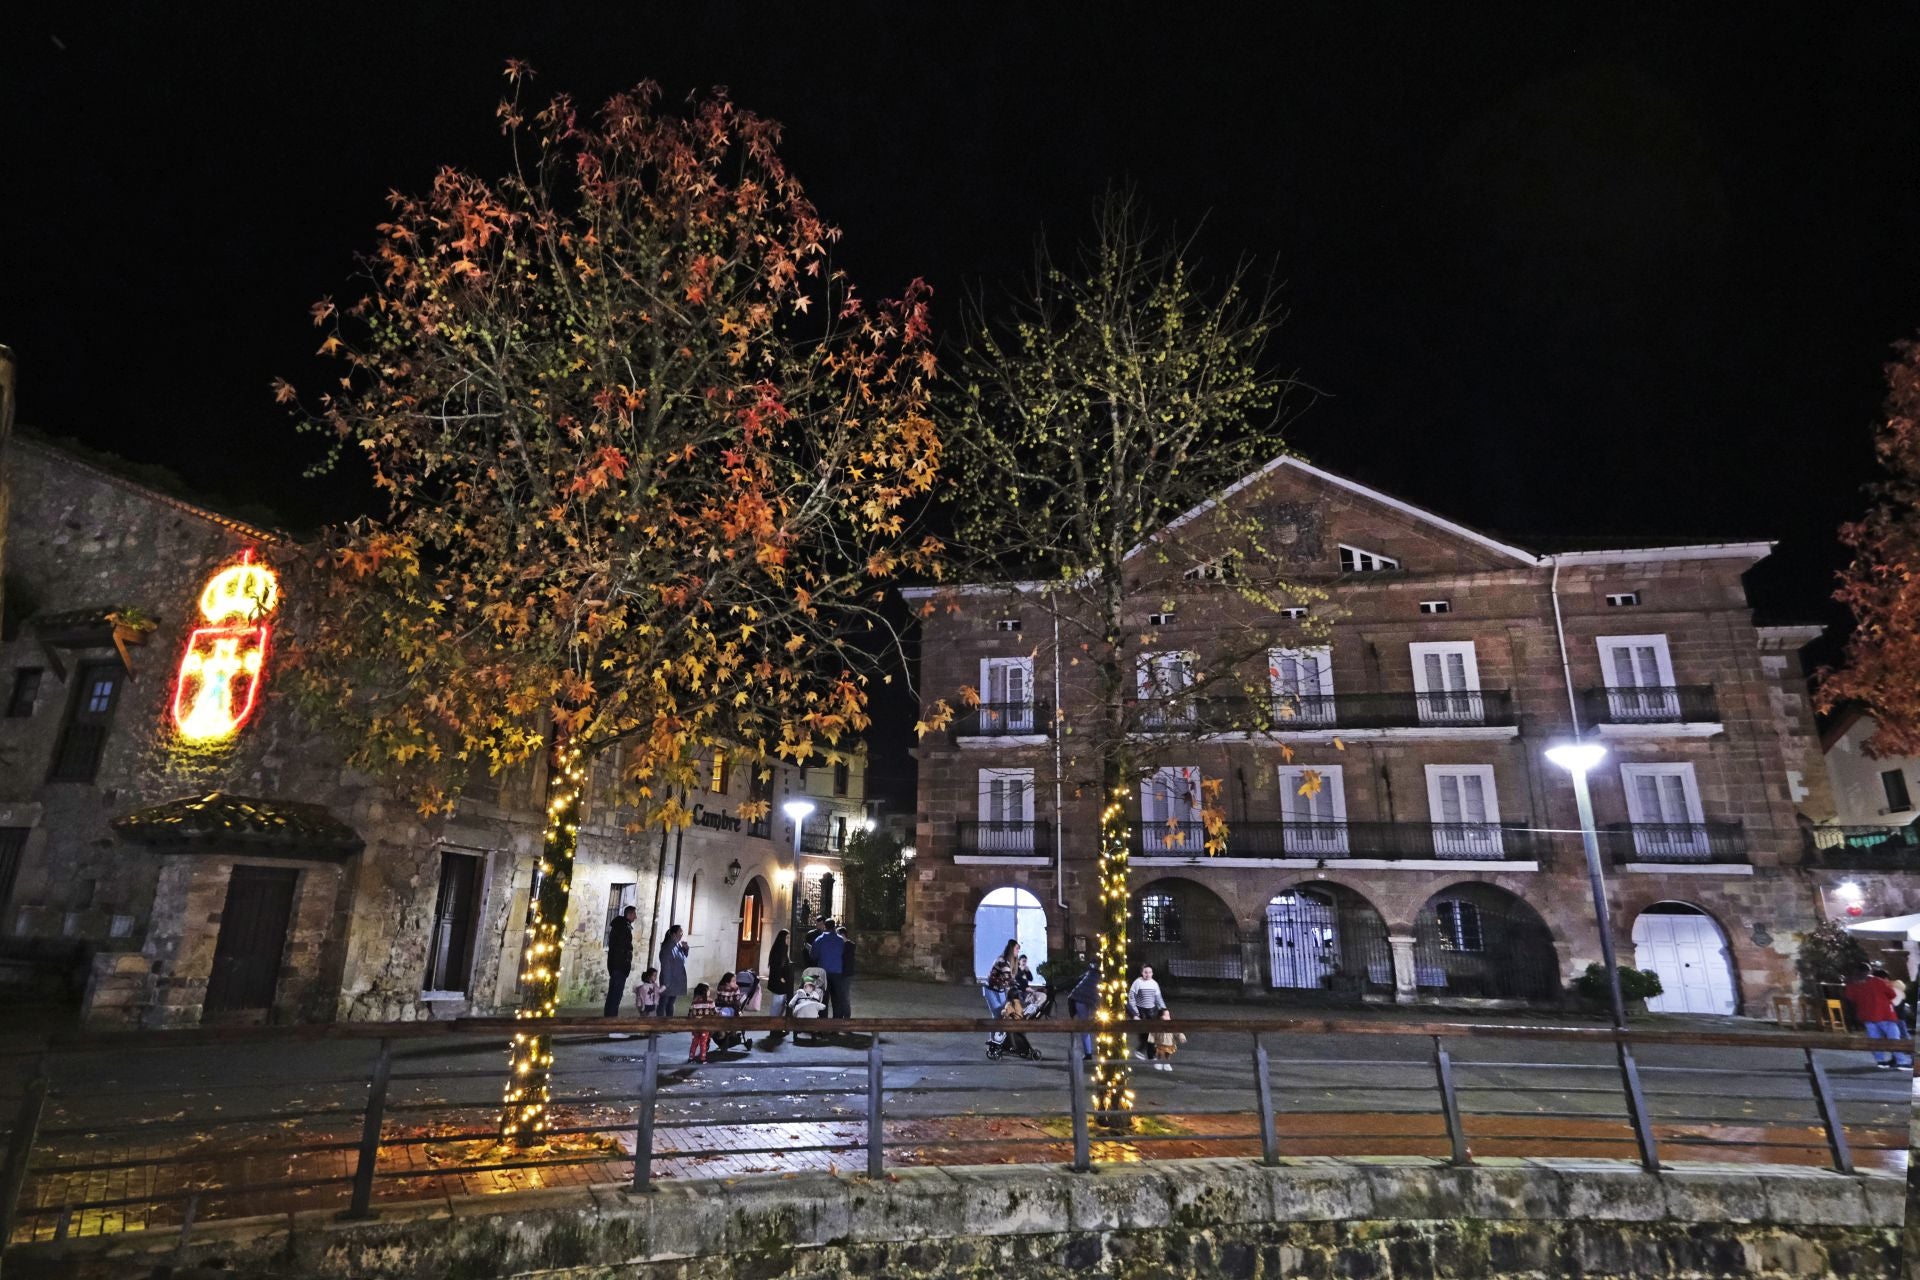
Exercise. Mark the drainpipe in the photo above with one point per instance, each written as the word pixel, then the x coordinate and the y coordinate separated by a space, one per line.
pixel 1560 630
pixel 1059 830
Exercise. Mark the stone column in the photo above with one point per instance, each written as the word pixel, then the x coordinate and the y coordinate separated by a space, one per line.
pixel 1404 987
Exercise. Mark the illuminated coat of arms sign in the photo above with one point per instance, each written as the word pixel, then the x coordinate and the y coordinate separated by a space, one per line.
pixel 219 679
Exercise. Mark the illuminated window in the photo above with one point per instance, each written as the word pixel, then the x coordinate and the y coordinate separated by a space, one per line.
pixel 26 688
pixel 721 775
pixel 1354 560
pixel 1159 918
pixel 1459 925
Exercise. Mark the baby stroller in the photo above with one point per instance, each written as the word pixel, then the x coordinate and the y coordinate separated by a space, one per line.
pixel 1011 1041
pixel 749 987
pixel 809 1001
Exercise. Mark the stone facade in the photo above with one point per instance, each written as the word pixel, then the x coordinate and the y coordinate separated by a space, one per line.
pixel 145 920
pixel 1234 1219
pixel 1731 748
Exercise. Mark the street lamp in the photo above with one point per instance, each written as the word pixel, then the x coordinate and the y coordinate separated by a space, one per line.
pixel 798 811
pixel 1578 758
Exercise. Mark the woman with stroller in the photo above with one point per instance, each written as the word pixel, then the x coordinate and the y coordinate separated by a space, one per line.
pixel 1000 979
pixel 1012 1041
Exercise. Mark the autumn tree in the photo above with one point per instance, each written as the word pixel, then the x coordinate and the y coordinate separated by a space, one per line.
pixel 1882 583
pixel 646 460
pixel 1095 424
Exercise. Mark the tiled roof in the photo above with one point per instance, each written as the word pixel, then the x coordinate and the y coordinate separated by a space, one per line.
pixel 217 818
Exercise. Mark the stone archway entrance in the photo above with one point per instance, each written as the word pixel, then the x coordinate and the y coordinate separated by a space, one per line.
pixel 1688 949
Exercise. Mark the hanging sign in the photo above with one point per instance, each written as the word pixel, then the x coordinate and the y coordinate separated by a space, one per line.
pixel 219 679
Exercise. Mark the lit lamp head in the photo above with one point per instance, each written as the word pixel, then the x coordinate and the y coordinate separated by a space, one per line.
pixel 798 810
pixel 872 826
pixel 1577 757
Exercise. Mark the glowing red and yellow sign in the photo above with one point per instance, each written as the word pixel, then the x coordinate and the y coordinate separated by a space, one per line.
pixel 219 679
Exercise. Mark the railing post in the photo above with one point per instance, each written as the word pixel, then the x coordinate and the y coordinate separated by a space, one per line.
pixel 1263 1097
pixel 1450 1103
pixel 26 1127
pixel 1077 1091
pixel 876 1122
pixel 1637 1109
pixel 362 1204
pixel 643 1129
pixel 1829 1115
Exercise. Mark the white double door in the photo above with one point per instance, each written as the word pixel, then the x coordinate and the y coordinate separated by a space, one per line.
pixel 1663 804
pixel 1639 674
pixel 1446 683
pixel 1690 954
pixel 1170 811
pixel 1006 686
pixel 1465 811
pixel 1313 810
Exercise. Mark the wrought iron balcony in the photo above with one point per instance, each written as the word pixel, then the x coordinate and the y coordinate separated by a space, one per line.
pixel 1009 839
pixel 1004 719
pixel 822 840
pixel 1479 841
pixel 1865 848
pixel 1284 712
pixel 1705 842
pixel 1652 704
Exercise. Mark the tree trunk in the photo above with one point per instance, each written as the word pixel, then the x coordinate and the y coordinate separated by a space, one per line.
pixel 1113 1070
pixel 523 1117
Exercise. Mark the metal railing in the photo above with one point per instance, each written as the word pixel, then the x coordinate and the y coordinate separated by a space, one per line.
pixel 1651 704
pixel 820 840
pixel 1675 842
pixel 1004 719
pixel 1480 841
pixel 347 1115
pixel 1287 712
pixel 1863 848
pixel 1009 838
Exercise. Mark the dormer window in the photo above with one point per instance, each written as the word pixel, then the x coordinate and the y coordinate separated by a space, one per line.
pixel 1355 560
pixel 1436 606
pixel 1623 599
pixel 1224 570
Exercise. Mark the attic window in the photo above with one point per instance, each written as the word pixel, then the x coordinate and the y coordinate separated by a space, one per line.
pixel 1213 571
pixel 1159 619
pixel 1435 606
pixel 1354 560
pixel 1293 612
pixel 1007 624
pixel 1623 599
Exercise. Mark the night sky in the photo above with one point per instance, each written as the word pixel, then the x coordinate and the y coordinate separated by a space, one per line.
pixel 1611 272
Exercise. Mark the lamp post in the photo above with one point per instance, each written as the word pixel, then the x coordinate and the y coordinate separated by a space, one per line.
pixel 798 811
pixel 1577 758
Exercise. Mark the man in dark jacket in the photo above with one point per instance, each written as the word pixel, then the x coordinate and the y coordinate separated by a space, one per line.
pixel 830 955
pixel 1085 998
pixel 619 958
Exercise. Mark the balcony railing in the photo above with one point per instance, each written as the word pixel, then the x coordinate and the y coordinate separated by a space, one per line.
pixel 1004 719
pixel 823 840
pixel 1865 847
pixel 1675 842
pixel 1013 839
pixel 1283 712
pixel 1486 841
pixel 1652 704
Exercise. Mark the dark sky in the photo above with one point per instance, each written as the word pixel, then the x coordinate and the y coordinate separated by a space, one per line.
pixel 1608 271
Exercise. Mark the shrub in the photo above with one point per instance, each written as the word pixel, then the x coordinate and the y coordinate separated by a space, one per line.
pixel 1828 954
pixel 1635 984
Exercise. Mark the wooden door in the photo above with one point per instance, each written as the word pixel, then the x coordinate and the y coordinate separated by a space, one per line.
pixel 753 920
pixel 253 938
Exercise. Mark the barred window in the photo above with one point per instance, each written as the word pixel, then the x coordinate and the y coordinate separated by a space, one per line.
pixel 1159 918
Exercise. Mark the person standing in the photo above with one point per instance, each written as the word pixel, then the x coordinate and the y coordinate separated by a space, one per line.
pixel 1084 999
pixel 619 959
pixel 1144 1001
pixel 1000 980
pixel 779 981
pixel 673 969
pixel 830 957
pixel 1872 1000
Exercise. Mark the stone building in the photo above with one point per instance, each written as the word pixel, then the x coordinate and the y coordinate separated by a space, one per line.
pixel 244 872
pixel 1440 859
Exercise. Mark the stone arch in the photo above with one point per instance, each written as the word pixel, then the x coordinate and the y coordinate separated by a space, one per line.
pixel 1186 931
pixel 1692 952
pixel 1003 912
pixel 1325 937
pixel 1477 940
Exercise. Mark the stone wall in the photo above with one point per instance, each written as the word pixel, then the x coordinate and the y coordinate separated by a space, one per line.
pixel 1200 1218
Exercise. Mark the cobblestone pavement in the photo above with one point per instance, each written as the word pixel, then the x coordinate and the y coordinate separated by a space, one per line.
pixel 135 1134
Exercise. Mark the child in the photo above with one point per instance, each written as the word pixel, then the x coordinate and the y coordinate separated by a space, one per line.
pixel 702 1008
pixel 646 994
pixel 1163 1045
pixel 809 1001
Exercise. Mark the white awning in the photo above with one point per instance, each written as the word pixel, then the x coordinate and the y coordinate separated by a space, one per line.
pixel 1906 927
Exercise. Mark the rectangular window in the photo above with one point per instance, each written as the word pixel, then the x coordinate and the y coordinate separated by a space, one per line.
pixel 842 777
pixel 1313 810
pixel 1294 612
pixel 1435 606
pixel 96 689
pixel 1446 683
pixel 1459 925
pixel 26 690
pixel 1223 570
pixel 456 921
pixel 721 775
pixel 1302 684
pixel 1170 812
pixel 1160 619
pixel 839 834
pixel 13 847
pixel 1007 624
pixel 1006 695
pixel 1354 560
pixel 1663 804
pixel 1163 679
pixel 1894 783
pixel 760 792
pixel 1006 811
pixel 1465 811
pixel 1639 675
pixel 1159 918
pixel 1623 599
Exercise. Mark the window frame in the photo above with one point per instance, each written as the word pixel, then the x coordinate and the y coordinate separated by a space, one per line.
pixel 85 676
pixel 24 694
pixel 1453 935
pixel 1889 779
pixel 1352 560
pixel 1662 658
pixel 469 948
pixel 985 781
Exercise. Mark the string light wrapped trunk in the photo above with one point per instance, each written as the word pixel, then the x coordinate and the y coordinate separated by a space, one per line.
pixel 523 1113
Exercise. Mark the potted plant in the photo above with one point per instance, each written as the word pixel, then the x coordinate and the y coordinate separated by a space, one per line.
pixel 1637 986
